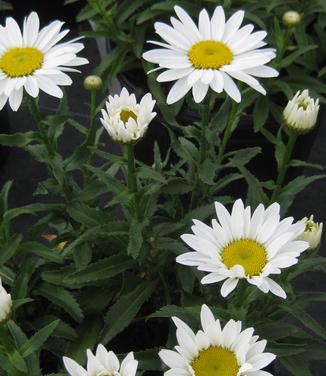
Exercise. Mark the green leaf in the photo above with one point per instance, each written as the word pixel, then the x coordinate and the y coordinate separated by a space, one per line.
pixel 62 298
pixel 87 216
pixel 176 186
pixel 4 197
pixel 9 249
pixel 260 113
pixel 298 163
pixel 297 365
pixel 286 349
pixel 148 360
pixel 294 56
pixel 100 270
pixel 135 238
pixel 38 249
pixel 38 339
pixel 125 309
pixel 18 139
pixel 308 264
pixel 244 156
pixel 296 311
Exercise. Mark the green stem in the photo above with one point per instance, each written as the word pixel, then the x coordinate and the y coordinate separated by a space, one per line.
pixel 227 133
pixel 284 166
pixel 38 118
pixel 92 128
pixel 131 176
pixel 204 124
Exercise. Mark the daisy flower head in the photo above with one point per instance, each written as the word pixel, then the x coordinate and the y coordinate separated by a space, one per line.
pixel 125 120
pixel 34 60
pixel 103 363
pixel 244 246
pixel 216 351
pixel 301 112
pixel 211 55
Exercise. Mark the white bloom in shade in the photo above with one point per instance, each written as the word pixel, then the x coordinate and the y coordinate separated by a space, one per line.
pixel 312 233
pixel 125 120
pixel 210 55
pixel 300 114
pixel 214 351
pixel 247 246
pixel 103 363
pixel 5 303
pixel 34 60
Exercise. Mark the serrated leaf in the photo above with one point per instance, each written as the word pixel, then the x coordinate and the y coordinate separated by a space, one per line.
pixel 260 113
pixel 38 339
pixel 62 298
pixel 10 248
pixel 125 309
pixel 100 270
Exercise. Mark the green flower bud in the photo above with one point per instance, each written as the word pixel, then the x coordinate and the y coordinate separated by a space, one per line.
pixel 93 83
pixel 291 18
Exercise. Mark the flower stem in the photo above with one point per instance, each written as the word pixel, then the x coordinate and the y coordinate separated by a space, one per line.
pixel 227 133
pixel 204 124
pixel 38 118
pixel 91 130
pixel 131 175
pixel 284 166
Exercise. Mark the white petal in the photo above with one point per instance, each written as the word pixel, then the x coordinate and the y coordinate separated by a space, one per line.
pixel 228 286
pixel 204 25
pixel 15 99
pixel 199 91
pixel 173 74
pixel 218 23
pixel 178 90
pixel 231 88
pixel 232 25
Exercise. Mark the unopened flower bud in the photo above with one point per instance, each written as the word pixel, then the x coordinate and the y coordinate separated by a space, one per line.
pixel 291 18
pixel 93 83
pixel 5 304
pixel 300 114
pixel 312 233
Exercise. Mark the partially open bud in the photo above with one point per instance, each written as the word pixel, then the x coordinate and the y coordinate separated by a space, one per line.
pixel 93 83
pixel 5 304
pixel 124 119
pixel 291 18
pixel 312 233
pixel 300 114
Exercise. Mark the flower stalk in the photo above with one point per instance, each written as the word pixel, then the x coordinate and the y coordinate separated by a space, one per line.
pixel 131 176
pixel 284 165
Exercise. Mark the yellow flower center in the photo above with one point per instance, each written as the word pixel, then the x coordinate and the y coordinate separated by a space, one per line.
pixel 215 361
pixel 247 253
pixel 126 114
pixel 210 54
pixel 21 61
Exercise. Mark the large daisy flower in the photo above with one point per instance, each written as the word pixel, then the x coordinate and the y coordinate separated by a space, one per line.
pixel 124 119
pixel 210 55
pixel 34 60
pixel 102 363
pixel 214 351
pixel 241 245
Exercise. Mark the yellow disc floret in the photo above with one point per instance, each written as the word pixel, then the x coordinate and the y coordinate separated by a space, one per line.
pixel 21 61
pixel 215 361
pixel 210 54
pixel 245 252
pixel 125 114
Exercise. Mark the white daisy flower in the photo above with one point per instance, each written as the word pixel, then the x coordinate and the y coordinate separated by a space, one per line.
pixel 125 120
pixel 214 351
pixel 210 55
pixel 103 363
pixel 301 112
pixel 5 303
pixel 34 60
pixel 312 233
pixel 247 246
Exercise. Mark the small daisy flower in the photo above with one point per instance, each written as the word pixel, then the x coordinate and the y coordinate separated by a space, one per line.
pixel 125 120
pixel 214 351
pixel 5 303
pixel 312 233
pixel 103 363
pixel 301 112
pixel 247 246
pixel 34 60
pixel 210 55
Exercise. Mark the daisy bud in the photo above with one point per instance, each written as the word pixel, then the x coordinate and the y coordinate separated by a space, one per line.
pixel 291 18
pixel 300 114
pixel 5 304
pixel 93 83
pixel 312 233
pixel 125 120
pixel 103 362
